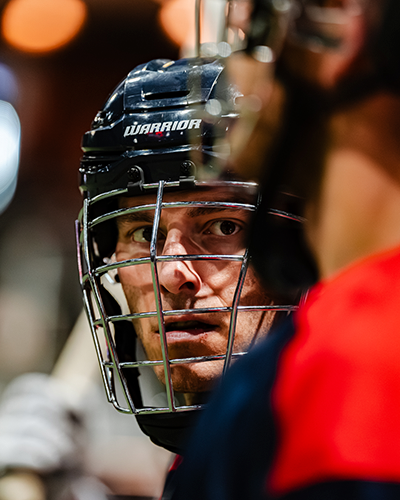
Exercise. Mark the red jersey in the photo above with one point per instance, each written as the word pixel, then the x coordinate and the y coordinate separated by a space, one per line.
pixel 337 392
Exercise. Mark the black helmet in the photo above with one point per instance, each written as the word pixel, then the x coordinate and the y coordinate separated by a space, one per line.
pixel 160 131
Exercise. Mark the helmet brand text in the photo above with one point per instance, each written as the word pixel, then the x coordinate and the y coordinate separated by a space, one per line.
pixel 152 128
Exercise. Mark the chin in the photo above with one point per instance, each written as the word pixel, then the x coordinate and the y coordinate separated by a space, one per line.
pixel 194 377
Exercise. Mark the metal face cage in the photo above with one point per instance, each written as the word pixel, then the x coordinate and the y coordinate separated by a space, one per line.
pixel 103 301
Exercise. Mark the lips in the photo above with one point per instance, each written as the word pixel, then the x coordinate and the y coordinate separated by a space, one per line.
pixel 187 329
pixel 190 327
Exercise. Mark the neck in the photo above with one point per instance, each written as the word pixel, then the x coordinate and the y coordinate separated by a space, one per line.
pixel 356 212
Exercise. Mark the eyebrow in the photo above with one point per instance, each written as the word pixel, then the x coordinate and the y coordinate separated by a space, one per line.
pixel 146 216
pixel 198 211
pixel 135 217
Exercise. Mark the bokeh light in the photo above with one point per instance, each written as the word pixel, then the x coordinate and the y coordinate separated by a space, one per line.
pixel 177 20
pixel 42 25
pixel 10 131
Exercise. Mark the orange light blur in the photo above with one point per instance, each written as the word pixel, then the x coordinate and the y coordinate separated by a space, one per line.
pixel 42 25
pixel 177 18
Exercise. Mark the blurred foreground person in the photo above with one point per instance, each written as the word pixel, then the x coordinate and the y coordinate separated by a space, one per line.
pixel 313 411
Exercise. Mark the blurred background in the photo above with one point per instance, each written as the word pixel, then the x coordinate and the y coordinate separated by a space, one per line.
pixel 59 60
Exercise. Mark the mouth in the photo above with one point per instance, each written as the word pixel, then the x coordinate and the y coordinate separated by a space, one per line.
pixel 189 328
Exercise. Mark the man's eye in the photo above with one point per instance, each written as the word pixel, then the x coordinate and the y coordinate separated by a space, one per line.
pixel 142 235
pixel 224 228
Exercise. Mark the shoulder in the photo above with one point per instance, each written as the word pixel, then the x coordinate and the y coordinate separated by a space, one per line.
pixel 358 289
pixel 355 313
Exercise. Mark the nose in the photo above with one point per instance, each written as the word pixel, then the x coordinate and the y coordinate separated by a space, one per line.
pixel 178 276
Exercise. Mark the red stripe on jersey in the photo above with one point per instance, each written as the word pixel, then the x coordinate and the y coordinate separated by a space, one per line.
pixel 337 392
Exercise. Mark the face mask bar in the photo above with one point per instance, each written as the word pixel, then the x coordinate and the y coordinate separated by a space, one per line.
pixel 100 318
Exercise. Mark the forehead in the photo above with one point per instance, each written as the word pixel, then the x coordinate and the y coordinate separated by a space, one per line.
pixel 222 194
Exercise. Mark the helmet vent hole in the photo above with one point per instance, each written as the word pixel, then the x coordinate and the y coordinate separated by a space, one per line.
pixel 166 95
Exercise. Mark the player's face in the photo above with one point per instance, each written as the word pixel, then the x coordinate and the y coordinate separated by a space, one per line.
pixel 191 284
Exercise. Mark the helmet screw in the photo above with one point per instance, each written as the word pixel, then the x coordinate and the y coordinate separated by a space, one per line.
pixel 187 167
pixel 134 173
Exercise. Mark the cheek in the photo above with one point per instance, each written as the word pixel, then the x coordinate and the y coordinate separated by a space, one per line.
pixel 221 277
pixel 253 325
pixel 253 293
pixel 137 285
